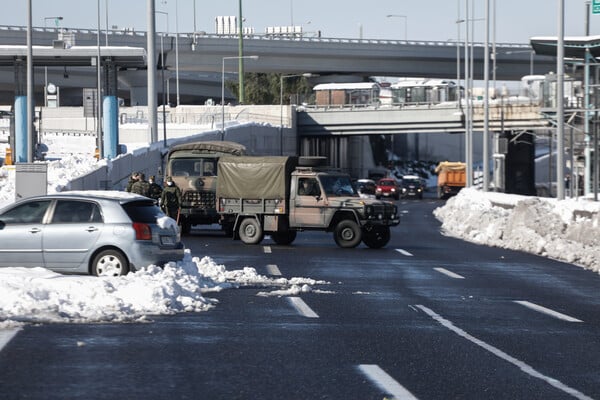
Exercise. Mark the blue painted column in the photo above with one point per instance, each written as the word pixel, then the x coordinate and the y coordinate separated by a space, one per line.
pixel 110 108
pixel 21 141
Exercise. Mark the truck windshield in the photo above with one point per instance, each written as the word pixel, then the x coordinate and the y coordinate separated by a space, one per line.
pixel 336 185
pixel 193 167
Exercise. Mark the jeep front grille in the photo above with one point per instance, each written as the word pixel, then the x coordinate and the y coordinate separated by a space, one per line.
pixel 198 199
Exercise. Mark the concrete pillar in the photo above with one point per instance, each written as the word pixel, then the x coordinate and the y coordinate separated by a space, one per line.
pixel 21 141
pixel 110 105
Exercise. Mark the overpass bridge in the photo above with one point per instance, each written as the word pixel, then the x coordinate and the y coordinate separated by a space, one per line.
pixel 200 61
pixel 446 118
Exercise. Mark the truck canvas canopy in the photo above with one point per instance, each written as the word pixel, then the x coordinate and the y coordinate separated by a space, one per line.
pixel 255 177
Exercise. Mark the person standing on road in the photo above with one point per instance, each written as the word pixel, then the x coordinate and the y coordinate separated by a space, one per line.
pixel 155 189
pixel 132 179
pixel 141 186
pixel 170 199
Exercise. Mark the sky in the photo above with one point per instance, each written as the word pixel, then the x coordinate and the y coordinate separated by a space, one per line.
pixel 567 230
pixel 516 21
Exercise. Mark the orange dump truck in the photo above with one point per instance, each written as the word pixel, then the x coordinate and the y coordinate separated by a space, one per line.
pixel 451 178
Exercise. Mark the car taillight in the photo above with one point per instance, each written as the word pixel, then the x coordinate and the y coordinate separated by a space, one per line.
pixel 142 231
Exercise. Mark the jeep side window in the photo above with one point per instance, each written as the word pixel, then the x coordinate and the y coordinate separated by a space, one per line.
pixel 308 187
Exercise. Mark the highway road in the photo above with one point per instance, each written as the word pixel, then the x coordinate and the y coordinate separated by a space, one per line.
pixel 427 317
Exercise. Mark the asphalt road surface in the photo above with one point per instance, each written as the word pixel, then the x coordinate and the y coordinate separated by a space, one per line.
pixel 427 317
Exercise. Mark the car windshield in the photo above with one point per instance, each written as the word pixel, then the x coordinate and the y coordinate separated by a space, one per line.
pixel 337 185
pixel 143 211
pixel 386 183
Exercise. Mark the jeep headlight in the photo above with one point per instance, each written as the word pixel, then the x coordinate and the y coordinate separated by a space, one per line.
pixel 369 210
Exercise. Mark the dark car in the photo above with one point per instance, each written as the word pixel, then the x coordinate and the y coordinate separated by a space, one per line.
pixel 366 187
pixel 412 186
pixel 387 187
pixel 104 233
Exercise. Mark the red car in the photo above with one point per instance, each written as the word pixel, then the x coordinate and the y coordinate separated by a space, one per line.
pixel 387 187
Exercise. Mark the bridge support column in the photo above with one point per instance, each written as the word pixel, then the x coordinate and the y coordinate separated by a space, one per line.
pixel 21 140
pixel 110 106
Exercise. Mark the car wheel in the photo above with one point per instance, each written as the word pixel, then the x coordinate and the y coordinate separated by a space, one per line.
pixel 347 234
pixel 250 231
pixel 284 238
pixel 377 236
pixel 110 263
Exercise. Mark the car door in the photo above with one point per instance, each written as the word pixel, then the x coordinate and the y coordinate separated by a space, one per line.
pixel 21 230
pixel 71 234
pixel 308 204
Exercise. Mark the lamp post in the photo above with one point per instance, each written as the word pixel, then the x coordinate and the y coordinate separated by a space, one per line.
pixel 162 77
pixel 56 22
pixel 281 78
pixel 223 90
pixel 405 23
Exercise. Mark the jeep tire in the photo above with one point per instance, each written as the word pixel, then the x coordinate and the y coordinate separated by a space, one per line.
pixel 377 236
pixel 347 234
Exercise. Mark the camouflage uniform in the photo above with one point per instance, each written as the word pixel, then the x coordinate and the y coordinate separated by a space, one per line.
pixel 170 199
pixel 141 186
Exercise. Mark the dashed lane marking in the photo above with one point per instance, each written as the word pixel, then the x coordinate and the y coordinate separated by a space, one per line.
pixel 528 369
pixel 302 307
pixel 385 382
pixel 547 311
pixel 6 335
pixel 272 269
pixel 267 249
pixel 404 252
pixel 449 273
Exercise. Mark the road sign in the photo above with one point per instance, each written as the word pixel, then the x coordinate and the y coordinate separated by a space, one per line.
pixel 595 6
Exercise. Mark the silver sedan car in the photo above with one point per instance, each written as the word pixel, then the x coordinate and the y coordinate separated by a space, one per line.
pixel 104 233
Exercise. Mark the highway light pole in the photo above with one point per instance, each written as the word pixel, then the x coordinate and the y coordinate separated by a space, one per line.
pixel 281 78
pixel 162 77
pixel 223 90
pixel 405 23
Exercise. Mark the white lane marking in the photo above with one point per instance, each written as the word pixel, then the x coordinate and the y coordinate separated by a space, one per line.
pixel 6 335
pixel 449 273
pixel 385 382
pixel 272 269
pixel 547 311
pixel 267 249
pixel 302 307
pixel 404 252
pixel 506 357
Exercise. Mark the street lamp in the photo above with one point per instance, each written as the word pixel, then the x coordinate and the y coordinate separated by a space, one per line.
pixel 56 22
pixel 223 90
pixel 162 77
pixel 281 78
pixel 405 23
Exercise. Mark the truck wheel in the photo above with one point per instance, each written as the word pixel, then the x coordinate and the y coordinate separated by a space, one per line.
pixel 377 237
pixel 250 231
pixel 284 238
pixel 347 234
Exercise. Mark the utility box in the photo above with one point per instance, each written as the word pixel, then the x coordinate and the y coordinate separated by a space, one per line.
pixel 30 180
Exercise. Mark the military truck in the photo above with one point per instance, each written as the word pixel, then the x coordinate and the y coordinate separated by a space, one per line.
pixel 281 196
pixel 193 167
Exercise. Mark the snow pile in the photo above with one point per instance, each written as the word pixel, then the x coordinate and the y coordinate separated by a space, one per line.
pixel 33 295
pixel 60 173
pixel 567 230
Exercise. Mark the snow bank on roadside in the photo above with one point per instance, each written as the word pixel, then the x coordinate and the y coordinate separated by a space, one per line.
pixel 567 230
pixel 35 295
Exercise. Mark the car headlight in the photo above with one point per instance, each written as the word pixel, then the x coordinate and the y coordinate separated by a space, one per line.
pixel 369 210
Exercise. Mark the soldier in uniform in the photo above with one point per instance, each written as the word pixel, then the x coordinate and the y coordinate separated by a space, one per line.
pixel 132 179
pixel 170 199
pixel 155 189
pixel 141 186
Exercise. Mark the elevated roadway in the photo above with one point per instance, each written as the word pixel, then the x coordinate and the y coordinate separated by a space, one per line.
pixel 448 118
pixel 201 59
